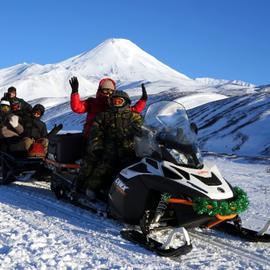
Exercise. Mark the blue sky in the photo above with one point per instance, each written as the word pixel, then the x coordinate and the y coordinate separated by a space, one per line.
pixel 225 39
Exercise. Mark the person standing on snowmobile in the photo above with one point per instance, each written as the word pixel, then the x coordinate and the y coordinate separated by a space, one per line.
pixel 111 143
pixel 10 128
pixel 92 105
pixel 35 131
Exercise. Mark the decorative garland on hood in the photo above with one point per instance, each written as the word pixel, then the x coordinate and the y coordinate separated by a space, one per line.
pixel 238 204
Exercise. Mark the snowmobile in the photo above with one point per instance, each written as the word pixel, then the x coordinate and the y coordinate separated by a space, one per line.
pixel 17 165
pixel 169 191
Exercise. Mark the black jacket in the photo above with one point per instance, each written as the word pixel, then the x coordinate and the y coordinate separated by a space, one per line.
pixel 25 109
pixel 35 128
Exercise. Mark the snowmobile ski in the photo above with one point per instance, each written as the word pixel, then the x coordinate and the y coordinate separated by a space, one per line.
pixel 236 229
pixel 155 246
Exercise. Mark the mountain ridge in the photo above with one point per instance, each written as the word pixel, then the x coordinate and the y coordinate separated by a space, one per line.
pixel 119 59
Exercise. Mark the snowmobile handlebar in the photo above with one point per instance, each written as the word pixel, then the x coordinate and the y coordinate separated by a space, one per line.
pixel 55 130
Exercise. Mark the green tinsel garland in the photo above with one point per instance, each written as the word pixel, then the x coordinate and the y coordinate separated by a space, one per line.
pixel 238 205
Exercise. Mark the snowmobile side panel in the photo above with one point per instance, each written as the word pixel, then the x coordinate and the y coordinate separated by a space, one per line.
pixel 66 148
pixel 128 199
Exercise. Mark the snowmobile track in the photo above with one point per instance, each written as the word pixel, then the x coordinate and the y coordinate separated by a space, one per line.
pixel 61 206
pixel 65 209
pixel 219 243
pixel 75 230
pixel 84 217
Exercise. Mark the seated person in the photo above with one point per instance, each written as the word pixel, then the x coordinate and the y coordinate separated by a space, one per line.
pixel 35 133
pixel 18 105
pixel 10 128
pixel 111 143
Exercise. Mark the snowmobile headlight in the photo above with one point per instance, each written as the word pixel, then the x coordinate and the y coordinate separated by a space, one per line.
pixel 179 157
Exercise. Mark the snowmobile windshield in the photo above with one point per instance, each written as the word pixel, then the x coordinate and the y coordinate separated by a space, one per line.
pixel 168 133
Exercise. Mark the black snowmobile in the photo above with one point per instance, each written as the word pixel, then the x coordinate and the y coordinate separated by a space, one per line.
pixel 169 191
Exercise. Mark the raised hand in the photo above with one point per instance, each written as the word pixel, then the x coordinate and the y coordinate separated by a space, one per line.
pixel 74 83
pixel 144 93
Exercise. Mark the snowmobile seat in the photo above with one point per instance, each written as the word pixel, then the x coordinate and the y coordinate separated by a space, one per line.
pixel 13 146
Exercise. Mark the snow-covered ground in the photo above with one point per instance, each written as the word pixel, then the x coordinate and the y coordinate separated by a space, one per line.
pixel 39 232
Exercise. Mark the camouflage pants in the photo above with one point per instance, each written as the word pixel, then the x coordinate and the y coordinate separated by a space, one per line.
pixel 87 167
pixel 101 176
pixel 100 173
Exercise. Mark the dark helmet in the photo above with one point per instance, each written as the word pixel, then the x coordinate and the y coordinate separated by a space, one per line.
pixel 12 89
pixel 40 108
pixel 120 94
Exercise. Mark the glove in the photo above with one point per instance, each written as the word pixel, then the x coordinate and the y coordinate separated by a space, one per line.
pixel 144 93
pixel 14 121
pixel 74 84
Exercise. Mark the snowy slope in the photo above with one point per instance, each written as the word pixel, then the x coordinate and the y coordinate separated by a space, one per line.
pixel 236 125
pixel 228 87
pixel 39 232
pixel 117 58
pixel 195 100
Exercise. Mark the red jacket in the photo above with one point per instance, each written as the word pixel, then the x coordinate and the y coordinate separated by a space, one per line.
pixel 92 106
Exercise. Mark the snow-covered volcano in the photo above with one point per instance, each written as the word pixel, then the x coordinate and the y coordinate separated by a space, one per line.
pixel 122 60
pixel 119 59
